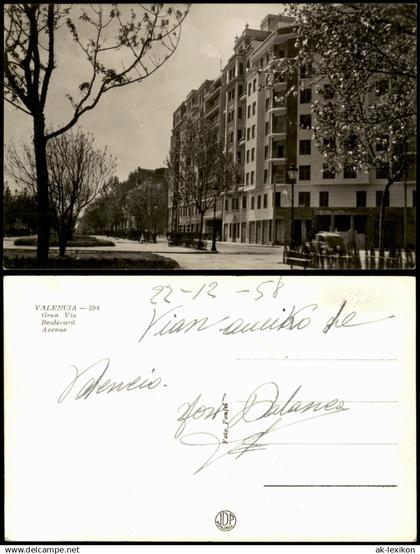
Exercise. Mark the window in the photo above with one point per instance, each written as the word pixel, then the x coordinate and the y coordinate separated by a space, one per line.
pixel 382 171
pixel 259 202
pixel 327 92
pixel 327 173
pixel 252 177
pixel 304 147
pixel 249 111
pixel 329 144
pixel 382 144
pixel 247 179
pixel 278 174
pixel 226 204
pixel 247 156
pixel 265 175
pixel 249 89
pixel 253 131
pixel 350 143
pixel 241 68
pixel 323 199
pixel 244 202
pixel 240 90
pixel 304 173
pixel 381 87
pixel 239 113
pixel 239 135
pixel 277 53
pixel 361 199
pixel 278 150
pixel 267 104
pixel 253 154
pixel 305 121
pixel 277 200
pixel 306 96
pixel 265 201
pixel 379 194
pixel 254 106
pixel 231 137
pixel 306 71
pixel 238 156
pixel 304 199
pixel 254 85
pixel 349 171
pixel 267 127
pixel 252 203
pixel 248 133
pixel 265 152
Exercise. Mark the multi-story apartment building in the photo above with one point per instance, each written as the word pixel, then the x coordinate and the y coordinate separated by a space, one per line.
pixel 266 132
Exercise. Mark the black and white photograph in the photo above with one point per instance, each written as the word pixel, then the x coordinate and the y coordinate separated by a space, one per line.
pixel 210 136
pixel 209 277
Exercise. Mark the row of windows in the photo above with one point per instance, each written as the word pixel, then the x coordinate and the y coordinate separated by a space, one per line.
pixel 262 202
pixel 304 200
pixel 349 172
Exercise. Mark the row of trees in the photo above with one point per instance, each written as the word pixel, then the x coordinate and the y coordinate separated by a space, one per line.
pixel 77 173
pixel 130 207
pixel 361 59
pixel 121 45
pixel 19 212
pixel 200 169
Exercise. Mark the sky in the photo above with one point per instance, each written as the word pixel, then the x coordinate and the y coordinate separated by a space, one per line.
pixel 135 122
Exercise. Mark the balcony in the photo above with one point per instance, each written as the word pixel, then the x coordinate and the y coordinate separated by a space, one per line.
pixel 278 179
pixel 278 131
pixel 211 110
pixel 213 92
pixel 281 160
pixel 278 107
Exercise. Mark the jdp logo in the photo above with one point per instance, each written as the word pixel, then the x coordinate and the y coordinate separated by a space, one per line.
pixel 225 520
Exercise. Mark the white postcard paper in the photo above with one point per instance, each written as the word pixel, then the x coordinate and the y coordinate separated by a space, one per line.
pixel 208 408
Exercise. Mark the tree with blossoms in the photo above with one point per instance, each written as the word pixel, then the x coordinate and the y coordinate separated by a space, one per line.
pixel 121 45
pixel 361 59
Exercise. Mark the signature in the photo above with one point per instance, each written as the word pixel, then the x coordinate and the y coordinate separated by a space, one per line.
pixel 262 403
pixel 98 385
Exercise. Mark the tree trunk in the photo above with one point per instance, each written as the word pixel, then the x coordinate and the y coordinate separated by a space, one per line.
pixel 64 236
pixel 40 146
pixel 200 237
pixel 382 219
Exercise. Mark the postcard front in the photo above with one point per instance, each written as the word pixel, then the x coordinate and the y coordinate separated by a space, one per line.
pixel 206 408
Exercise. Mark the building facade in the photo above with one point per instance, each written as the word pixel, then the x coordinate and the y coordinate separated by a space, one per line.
pixel 266 131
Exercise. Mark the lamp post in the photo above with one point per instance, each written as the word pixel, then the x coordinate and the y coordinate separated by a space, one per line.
pixel 292 172
pixel 213 244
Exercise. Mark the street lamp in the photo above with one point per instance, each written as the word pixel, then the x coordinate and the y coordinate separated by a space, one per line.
pixel 292 172
pixel 216 193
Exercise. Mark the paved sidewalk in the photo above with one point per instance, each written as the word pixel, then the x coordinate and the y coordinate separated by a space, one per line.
pixel 230 256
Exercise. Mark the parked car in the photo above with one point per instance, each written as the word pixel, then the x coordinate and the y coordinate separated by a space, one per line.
pixel 326 243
